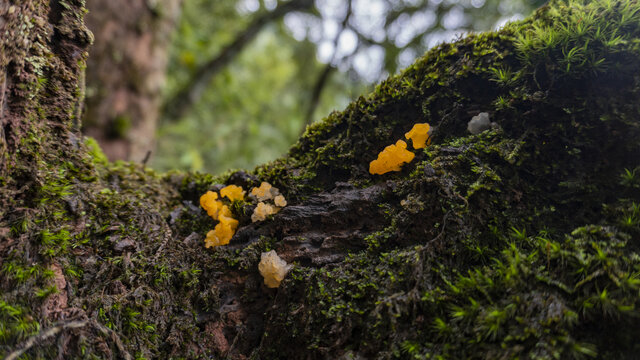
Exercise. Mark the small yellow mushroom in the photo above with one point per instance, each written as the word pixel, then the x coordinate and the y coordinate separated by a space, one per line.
pixel 391 158
pixel 280 201
pixel 263 210
pixel 419 134
pixel 272 268
pixel 232 192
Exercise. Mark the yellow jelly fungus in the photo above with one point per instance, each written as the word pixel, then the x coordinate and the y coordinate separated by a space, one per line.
pixel 232 192
pixel 264 192
pixel 419 134
pixel 211 204
pixel 391 158
pixel 261 212
pixel 272 268
pixel 208 198
pixel 224 211
pixel 222 233
pixel 280 201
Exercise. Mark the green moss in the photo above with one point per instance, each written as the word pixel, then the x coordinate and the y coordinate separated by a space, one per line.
pixel 16 323
pixel 94 150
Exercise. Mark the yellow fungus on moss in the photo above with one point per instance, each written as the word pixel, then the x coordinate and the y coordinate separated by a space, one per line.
pixel 224 211
pixel 419 134
pixel 232 192
pixel 209 201
pixel 391 158
pixel 272 268
pixel 227 225
pixel 263 210
pixel 280 201
pixel 224 230
pixel 222 233
pixel 208 198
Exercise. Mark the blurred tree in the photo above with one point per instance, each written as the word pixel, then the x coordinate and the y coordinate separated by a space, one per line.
pixel 126 73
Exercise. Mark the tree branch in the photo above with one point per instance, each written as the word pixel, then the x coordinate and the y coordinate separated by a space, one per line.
pixel 322 80
pixel 44 335
pixel 178 105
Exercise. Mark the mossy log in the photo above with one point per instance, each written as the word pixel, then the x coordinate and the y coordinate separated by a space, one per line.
pixel 521 241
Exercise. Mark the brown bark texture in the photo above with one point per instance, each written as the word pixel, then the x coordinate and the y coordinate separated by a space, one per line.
pixel 126 73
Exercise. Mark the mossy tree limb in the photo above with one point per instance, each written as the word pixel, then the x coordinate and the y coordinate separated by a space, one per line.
pixel 520 241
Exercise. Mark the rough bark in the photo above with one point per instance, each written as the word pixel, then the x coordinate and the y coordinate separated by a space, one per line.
pixel 126 73
pixel 520 241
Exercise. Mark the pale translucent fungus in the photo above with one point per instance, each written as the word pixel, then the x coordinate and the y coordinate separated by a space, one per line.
pixel 419 134
pixel 232 192
pixel 263 210
pixel 391 158
pixel 272 268
pixel 263 192
pixel 280 201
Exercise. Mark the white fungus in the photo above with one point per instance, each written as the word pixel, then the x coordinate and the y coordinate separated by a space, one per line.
pixel 479 123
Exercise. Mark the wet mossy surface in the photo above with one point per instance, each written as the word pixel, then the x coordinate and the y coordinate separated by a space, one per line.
pixel 522 241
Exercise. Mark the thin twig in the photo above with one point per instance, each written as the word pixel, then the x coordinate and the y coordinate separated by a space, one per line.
pixel 322 80
pixel 44 335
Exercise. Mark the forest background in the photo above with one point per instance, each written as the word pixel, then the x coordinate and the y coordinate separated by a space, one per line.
pixel 211 85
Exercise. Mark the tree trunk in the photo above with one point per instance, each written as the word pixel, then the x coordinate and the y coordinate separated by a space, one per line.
pixel 126 73
pixel 518 241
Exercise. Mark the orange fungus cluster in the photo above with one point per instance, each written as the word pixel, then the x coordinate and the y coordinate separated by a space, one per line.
pixel 270 201
pixel 391 158
pixel 419 134
pixel 232 192
pixel 394 156
pixel 218 210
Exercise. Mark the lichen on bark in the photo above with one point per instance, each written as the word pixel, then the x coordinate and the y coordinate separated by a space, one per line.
pixel 517 242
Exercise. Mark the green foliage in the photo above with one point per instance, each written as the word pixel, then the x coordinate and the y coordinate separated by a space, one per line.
pixel 251 114
pixel 631 178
